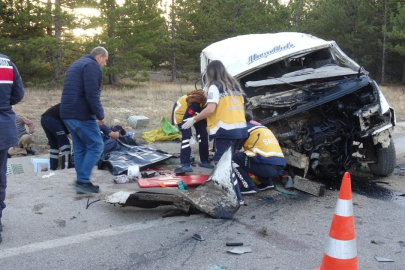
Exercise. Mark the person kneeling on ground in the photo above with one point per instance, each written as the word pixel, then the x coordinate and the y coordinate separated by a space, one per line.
pixel 24 146
pixel 57 134
pixel 188 106
pixel 262 157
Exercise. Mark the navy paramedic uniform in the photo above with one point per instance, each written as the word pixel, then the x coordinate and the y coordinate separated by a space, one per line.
pixel 11 92
pixel 262 155
pixel 56 132
pixel 180 112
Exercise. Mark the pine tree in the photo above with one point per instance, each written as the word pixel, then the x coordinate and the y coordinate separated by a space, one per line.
pixel 131 34
pixel 198 24
pixel 397 35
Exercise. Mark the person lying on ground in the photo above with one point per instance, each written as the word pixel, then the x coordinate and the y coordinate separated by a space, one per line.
pixel 225 110
pixel 25 141
pixel 261 156
pixel 188 106
pixel 58 136
pixel 110 136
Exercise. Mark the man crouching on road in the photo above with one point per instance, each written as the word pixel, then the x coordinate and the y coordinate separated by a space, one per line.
pixel 82 112
pixel 262 157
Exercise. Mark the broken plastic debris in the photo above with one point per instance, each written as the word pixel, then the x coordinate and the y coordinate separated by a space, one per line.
pixel 182 186
pixel 234 244
pixel 48 175
pixel 133 172
pixel 148 174
pixel 241 250
pixel 121 179
pixel 198 237
pixel 216 196
pixel 380 259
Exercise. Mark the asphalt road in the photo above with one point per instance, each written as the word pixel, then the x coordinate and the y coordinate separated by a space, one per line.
pixel 47 227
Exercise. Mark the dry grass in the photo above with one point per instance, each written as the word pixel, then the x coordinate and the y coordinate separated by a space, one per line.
pixel 395 97
pixel 153 99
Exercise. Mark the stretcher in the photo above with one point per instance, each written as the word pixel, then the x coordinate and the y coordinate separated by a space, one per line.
pixel 190 180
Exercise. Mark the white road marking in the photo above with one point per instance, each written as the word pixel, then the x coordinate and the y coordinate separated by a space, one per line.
pixel 79 238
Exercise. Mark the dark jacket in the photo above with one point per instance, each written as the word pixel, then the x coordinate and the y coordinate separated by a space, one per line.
pixel 81 91
pixel 54 112
pixel 11 92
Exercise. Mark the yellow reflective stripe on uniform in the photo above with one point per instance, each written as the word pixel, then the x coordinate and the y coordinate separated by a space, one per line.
pixel 226 126
pixel 265 154
pixel 229 114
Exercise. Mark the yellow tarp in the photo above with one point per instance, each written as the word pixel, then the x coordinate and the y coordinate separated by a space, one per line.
pixel 159 134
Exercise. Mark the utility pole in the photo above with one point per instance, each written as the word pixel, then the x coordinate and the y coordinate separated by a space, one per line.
pixel 174 71
pixel 384 43
pixel 296 17
pixel 111 17
pixel 58 33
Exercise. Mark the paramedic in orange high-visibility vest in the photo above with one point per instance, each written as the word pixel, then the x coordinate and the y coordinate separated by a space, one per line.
pixel 225 111
pixel 261 156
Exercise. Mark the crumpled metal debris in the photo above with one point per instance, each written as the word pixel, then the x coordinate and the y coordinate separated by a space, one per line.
pixel 380 259
pixel 399 171
pixel 241 250
pixel 198 237
pixel 216 197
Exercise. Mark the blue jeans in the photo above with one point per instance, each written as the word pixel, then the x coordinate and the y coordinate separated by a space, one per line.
pixel 87 146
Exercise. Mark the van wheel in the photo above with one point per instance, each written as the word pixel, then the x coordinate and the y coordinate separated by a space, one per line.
pixel 386 160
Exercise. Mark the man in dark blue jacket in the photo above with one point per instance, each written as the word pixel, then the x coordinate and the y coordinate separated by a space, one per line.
pixel 82 112
pixel 11 92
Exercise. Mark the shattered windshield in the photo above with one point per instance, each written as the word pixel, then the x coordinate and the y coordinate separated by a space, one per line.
pixel 318 64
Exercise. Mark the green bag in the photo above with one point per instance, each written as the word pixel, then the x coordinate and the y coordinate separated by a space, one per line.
pixel 168 128
pixel 166 132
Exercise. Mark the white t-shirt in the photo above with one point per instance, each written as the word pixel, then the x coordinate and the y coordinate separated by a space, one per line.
pixel 213 94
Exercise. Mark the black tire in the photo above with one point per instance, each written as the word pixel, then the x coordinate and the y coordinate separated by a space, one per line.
pixel 386 160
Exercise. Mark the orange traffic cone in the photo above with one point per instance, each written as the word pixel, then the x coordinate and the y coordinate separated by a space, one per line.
pixel 341 250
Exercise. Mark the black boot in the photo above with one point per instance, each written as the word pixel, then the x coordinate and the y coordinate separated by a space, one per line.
pixel 1 239
pixel 1 226
pixel 71 161
pixel 86 188
pixel 32 151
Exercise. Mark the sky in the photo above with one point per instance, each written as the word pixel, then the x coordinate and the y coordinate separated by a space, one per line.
pixel 90 12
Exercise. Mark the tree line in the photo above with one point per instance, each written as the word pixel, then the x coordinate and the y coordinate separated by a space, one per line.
pixel 141 35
